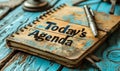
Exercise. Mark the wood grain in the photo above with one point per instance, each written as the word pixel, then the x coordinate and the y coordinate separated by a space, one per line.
pixel 15 20
pixel 7 26
pixel 108 52
pixel 25 62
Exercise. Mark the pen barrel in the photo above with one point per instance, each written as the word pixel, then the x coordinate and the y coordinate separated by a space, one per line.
pixel 91 20
pixel 93 28
pixel 92 25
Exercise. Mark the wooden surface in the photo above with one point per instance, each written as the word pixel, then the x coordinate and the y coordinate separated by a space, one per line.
pixel 109 52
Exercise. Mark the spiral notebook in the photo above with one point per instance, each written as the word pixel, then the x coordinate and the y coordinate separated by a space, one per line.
pixel 63 35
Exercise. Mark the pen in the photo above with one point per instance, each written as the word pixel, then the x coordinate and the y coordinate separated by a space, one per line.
pixel 90 14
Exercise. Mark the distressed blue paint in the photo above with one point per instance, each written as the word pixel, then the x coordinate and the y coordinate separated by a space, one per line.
pixel 12 21
pixel 109 53
pixel 106 65
pixel 3 50
pixel 31 63
pixel 110 61
pixel 4 0
pixel 8 20
pixel 114 55
pixel 11 28
pixel 117 10
pixel 104 7
pixel 21 19
pixel 94 6
pixel 88 44
pixel 29 20
pixel 71 19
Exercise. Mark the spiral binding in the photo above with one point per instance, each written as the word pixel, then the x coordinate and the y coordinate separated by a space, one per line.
pixel 42 17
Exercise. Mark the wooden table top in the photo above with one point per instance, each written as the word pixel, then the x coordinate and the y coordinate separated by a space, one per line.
pixel 11 60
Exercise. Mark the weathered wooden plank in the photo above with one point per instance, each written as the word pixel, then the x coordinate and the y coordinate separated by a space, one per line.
pixel 94 6
pixel 6 51
pixel 25 62
pixel 11 23
pixel 110 53
pixel 104 7
pixel 117 10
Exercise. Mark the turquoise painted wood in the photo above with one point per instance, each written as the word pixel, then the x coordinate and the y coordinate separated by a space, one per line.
pixel 117 10
pixel 25 62
pixel 109 52
pixel 4 51
pixel 104 7
pixel 10 24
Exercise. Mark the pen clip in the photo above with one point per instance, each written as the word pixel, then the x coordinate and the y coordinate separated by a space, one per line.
pixel 92 13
